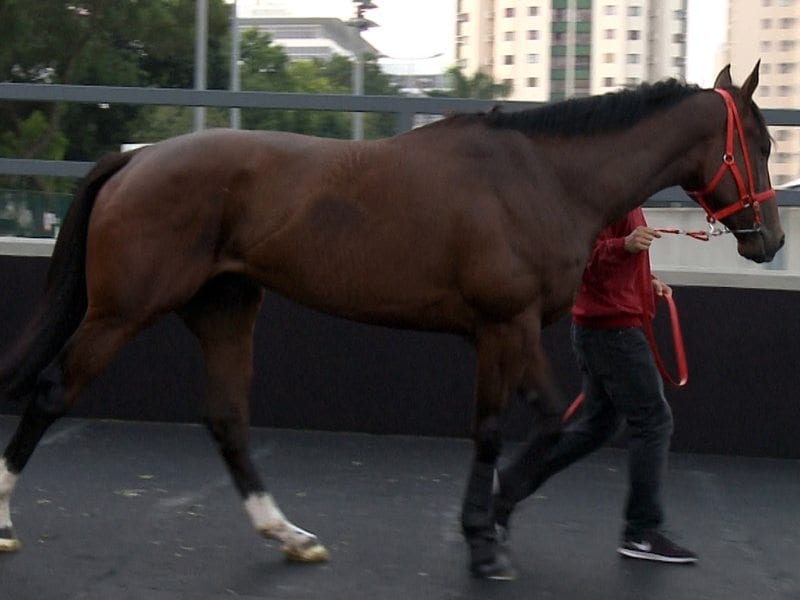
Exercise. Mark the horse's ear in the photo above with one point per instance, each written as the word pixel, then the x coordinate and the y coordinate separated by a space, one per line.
pixel 723 79
pixel 751 83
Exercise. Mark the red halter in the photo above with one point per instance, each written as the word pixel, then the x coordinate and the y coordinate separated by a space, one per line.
pixel 747 195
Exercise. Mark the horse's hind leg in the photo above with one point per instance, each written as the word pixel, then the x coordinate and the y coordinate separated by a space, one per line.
pixel 90 349
pixel 222 316
pixel 42 410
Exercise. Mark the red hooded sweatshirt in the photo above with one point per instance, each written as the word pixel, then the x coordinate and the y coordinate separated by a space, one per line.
pixel 611 293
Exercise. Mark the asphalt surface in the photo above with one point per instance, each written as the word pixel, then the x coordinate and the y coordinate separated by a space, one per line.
pixel 123 510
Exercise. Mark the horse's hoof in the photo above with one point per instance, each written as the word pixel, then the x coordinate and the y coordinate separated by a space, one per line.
pixel 9 544
pixel 310 552
pixel 499 569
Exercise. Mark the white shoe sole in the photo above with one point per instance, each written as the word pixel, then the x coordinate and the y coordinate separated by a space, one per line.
pixel 656 557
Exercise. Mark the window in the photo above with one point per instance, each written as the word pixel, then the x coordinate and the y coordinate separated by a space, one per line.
pixel 766 23
pixel 634 34
pixel 533 34
pixel 786 67
pixel 784 90
pixel 508 59
pixel 782 157
pixel 610 34
pixel 766 2
pixel 533 82
pixel 608 58
pixel 787 22
pixel 509 12
pixel 634 11
pixel 610 9
pixel 533 59
pixel 508 36
pixel 765 46
pixel 633 59
pixel 533 11
pixel 764 90
pixel 509 83
pixel 608 82
pixel 783 134
pixel 786 45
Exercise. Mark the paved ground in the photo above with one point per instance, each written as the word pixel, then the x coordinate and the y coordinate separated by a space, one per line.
pixel 113 510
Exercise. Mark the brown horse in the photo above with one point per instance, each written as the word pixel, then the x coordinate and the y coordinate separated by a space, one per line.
pixel 479 225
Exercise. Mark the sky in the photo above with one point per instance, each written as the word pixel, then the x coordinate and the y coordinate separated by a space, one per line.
pixel 411 29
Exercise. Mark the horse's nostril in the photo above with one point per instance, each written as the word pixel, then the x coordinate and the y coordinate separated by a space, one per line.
pixel 783 240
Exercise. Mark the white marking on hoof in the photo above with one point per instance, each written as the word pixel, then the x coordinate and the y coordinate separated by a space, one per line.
pixel 9 545
pixel 7 482
pixel 269 521
pixel 314 552
pixel 8 541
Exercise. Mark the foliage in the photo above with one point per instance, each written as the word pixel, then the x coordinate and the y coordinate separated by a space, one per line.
pixel 151 43
pixel 480 85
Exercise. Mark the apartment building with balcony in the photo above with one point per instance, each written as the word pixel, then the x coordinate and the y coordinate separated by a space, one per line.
pixel 555 49
pixel 769 30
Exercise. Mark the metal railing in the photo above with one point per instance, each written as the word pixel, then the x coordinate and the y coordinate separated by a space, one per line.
pixel 404 109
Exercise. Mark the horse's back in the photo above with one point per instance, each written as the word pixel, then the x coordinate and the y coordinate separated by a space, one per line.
pixel 407 231
pixel 341 226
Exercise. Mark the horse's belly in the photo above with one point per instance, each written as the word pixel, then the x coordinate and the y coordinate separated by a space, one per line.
pixel 410 306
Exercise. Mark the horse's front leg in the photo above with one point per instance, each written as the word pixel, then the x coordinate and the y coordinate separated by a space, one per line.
pixel 524 471
pixel 503 352
pixel 222 316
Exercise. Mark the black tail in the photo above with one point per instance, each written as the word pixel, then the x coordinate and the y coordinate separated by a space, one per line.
pixel 63 304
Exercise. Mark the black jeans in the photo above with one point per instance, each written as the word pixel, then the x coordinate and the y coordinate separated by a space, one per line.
pixel 621 382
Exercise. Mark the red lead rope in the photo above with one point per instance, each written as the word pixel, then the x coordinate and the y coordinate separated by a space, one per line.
pixel 677 338
pixel 647 326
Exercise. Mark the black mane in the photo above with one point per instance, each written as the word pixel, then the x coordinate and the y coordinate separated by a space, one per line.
pixel 593 114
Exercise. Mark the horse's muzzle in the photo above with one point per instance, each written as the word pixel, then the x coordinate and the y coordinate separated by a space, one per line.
pixel 760 246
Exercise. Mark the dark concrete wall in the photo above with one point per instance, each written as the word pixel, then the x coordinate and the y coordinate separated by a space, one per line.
pixel 317 372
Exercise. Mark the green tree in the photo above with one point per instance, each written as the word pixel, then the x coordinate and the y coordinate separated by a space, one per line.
pixel 265 67
pixel 149 43
pixel 376 83
pixel 480 85
pixel 99 42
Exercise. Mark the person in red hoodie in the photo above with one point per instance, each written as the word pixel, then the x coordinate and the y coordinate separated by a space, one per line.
pixel 620 383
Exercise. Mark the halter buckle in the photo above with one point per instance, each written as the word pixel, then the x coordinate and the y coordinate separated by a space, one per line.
pixel 713 230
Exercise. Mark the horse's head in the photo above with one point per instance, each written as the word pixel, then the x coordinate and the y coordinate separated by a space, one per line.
pixel 737 189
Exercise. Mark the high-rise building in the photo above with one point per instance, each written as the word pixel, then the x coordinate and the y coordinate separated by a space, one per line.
pixel 554 49
pixel 769 30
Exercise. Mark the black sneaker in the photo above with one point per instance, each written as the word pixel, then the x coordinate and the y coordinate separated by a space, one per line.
pixel 652 545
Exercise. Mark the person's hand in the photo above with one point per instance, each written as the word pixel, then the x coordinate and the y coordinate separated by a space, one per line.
pixel 661 289
pixel 640 239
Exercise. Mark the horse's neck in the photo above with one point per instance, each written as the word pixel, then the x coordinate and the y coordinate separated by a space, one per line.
pixel 616 172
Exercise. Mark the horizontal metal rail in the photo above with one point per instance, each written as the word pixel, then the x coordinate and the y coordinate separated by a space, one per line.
pixel 404 107
pixel 99 94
